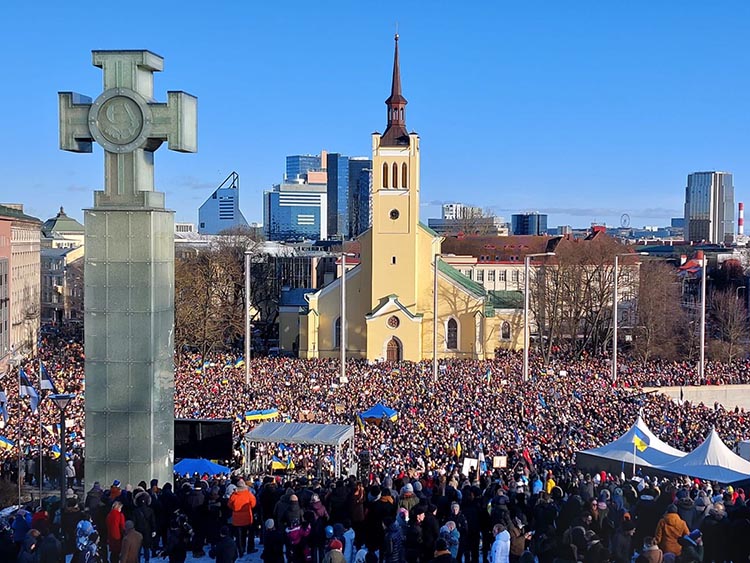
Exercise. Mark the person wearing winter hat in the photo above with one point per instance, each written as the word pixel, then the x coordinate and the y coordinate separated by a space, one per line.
pixel 241 503
pixel 335 554
pixel 408 499
pixel 621 544
pixel 500 550
pixel 669 529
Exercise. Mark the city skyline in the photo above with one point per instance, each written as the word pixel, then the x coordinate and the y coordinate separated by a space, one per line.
pixel 580 116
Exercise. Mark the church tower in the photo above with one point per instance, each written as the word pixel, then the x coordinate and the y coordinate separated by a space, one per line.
pixel 395 203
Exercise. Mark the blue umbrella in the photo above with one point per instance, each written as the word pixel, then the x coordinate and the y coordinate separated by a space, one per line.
pixel 190 466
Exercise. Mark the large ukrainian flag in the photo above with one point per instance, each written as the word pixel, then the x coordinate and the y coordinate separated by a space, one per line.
pixel 6 443
pixel 266 414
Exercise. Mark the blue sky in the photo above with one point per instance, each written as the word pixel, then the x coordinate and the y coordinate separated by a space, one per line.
pixel 583 110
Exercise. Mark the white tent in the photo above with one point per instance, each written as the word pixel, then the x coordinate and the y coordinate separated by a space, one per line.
pixel 656 455
pixel 713 461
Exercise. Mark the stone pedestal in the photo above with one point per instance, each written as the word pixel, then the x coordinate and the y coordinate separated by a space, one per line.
pixel 129 314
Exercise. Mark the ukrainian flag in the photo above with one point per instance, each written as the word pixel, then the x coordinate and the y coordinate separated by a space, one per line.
pixel 55 450
pixel 640 439
pixel 279 464
pixel 266 414
pixel 240 362
pixel 458 448
pixel 6 443
pixel 360 423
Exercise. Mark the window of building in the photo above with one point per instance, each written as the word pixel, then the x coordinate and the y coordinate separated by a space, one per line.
pixel 501 275
pixel 404 176
pixel 395 175
pixel 505 331
pixel 491 275
pixel 393 259
pixel 385 174
pixel 480 275
pixel 514 276
pixel 452 335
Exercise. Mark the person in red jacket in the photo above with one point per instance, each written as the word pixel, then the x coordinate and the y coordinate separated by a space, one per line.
pixel 115 530
pixel 242 503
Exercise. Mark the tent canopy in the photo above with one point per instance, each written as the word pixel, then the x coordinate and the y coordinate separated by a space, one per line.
pixel 301 433
pixel 190 466
pixel 656 455
pixel 379 412
pixel 713 461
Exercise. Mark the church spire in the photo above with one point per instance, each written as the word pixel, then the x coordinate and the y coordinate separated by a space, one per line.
pixel 395 132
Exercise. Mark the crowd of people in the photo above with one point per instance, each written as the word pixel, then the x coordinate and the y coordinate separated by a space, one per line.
pixel 514 515
pixel 472 406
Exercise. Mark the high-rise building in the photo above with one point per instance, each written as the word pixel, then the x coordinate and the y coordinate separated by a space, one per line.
pixel 337 167
pixel 295 212
pixel 709 207
pixel 528 223
pixel 455 211
pixel 360 206
pixel 298 165
pixel 221 211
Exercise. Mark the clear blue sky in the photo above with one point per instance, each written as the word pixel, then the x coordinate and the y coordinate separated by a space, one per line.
pixel 585 110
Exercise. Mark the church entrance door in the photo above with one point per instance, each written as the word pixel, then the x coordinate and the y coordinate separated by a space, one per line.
pixel 394 351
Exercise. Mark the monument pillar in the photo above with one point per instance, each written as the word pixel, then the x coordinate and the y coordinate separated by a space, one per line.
pixel 129 268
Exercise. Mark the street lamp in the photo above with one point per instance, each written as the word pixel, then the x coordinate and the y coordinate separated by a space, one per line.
pixel 527 264
pixel 62 400
pixel 248 330
pixel 615 299
pixel 342 326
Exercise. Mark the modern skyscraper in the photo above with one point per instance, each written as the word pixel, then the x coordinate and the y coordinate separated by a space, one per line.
pixel 360 208
pixel 709 207
pixel 337 167
pixel 221 211
pixel 298 165
pixel 295 212
pixel 528 223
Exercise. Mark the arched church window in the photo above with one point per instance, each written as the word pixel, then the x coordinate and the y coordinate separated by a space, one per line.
pixel 395 175
pixel 385 174
pixel 452 335
pixel 505 331
pixel 404 176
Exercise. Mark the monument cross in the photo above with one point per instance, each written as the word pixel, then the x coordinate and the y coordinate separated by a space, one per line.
pixel 129 124
pixel 128 267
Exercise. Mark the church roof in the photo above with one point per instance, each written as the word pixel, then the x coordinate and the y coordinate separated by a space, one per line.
pixel 13 213
pixel 295 297
pixel 61 223
pixel 396 133
pixel 428 230
pixel 472 287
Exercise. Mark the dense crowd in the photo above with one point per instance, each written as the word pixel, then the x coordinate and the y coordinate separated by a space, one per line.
pixel 473 405
pixel 439 516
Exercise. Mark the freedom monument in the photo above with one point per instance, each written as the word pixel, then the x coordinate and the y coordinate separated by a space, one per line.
pixel 129 267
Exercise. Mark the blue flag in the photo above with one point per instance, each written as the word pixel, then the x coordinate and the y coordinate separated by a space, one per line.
pixel 45 380
pixel 4 406
pixel 26 389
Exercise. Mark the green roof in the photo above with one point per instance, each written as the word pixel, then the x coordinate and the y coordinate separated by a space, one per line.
pixel 61 223
pixel 476 289
pixel 505 299
pixel 428 229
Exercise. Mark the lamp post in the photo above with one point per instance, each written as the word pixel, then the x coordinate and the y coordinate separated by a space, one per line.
pixel 62 401
pixel 615 299
pixel 527 264
pixel 248 330
pixel 342 326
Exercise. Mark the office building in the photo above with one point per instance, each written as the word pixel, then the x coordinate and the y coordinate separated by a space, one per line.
pixel 456 211
pixel 221 211
pixel 528 223
pixel 337 168
pixel 295 212
pixel 709 207
pixel 298 165
pixel 360 207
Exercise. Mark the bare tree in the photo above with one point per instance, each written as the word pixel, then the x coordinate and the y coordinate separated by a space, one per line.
pixel 661 320
pixel 728 317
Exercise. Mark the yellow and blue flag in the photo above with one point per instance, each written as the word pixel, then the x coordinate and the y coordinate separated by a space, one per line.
pixel 261 414
pixel 640 439
pixel 6 443
pixel 240 362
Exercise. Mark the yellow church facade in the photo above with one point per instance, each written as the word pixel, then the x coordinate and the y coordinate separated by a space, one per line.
pixel 390 293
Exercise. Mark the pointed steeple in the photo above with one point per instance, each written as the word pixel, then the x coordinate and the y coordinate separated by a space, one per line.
pixel 396 133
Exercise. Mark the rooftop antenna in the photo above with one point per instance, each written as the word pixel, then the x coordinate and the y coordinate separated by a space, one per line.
pixel 396 30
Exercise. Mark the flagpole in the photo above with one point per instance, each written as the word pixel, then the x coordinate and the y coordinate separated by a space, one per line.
pixel 41 398
pixel 20 434
pixel 633 458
